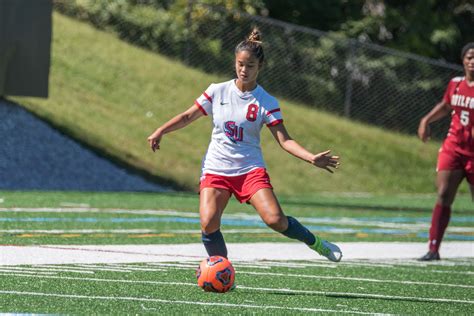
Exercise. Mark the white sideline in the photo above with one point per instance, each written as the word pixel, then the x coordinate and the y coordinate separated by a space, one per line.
pixel 68 254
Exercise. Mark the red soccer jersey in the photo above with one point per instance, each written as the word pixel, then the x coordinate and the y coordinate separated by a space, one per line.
pixel 461 98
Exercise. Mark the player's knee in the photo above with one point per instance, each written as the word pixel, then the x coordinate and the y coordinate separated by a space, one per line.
pixel 276 222
pixel 445 196
pixel 208 226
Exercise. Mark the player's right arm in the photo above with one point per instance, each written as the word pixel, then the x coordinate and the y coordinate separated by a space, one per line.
pixel 440 110
pixel 177 122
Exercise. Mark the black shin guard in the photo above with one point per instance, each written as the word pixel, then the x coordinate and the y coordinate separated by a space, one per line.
pixel 297 231
pixel 214 243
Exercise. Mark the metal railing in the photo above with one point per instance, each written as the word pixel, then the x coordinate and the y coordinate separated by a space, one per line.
pixel 354 79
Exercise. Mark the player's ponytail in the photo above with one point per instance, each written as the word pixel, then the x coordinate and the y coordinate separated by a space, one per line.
pixel 255 36
pixel 252 44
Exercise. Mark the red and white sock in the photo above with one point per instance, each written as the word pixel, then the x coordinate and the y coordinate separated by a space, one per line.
pixel 439 222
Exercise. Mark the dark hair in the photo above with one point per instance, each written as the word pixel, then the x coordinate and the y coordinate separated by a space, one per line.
pixel 253 44
pixel 466 47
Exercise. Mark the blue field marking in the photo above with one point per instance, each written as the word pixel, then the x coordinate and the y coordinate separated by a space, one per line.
pixel 229 221
pixel 455 219
pixel 257 223
pixel 449 236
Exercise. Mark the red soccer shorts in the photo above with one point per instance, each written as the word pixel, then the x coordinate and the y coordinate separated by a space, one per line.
pixel 449 159
pixel 243 186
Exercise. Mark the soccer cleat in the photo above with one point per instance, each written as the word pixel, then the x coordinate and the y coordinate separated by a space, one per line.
pixel 430 256
pixel 327 249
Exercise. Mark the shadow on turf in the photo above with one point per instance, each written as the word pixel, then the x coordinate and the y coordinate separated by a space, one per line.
pixel 353 297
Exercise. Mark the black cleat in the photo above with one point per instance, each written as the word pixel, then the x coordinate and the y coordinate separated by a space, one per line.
pixel 430 256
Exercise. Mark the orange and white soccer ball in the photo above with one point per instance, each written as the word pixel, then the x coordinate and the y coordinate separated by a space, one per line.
pixel 215 274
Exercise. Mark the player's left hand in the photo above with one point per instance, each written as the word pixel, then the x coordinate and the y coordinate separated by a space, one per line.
pixel 154 140
pixel 325 161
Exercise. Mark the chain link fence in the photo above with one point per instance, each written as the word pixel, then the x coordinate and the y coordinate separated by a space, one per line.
pixel 357 80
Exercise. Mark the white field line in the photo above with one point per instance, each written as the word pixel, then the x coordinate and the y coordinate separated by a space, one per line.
pixel 156 300
pixel 52 269
pixel 98 210
pixel 453 272
pixel 4 270
pixel 67 268
pixel 320 220
pixel 102 268
pixel 282 290
pixel 187 266
pixel 77 231
pixel 286 264
pixel 137 268
pixel 250 252
pixel 72 204
pixel 404 265
pixel 174 265
pixel 266 265
pixel 149 270
pixel 355 279
pixel 82 268
pixel 120 268
pixel 126 231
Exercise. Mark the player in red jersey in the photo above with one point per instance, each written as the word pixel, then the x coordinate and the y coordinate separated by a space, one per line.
pixel 456 155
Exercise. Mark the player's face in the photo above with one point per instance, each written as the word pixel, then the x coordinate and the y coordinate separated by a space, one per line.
pixel 246 67
pixel 468 62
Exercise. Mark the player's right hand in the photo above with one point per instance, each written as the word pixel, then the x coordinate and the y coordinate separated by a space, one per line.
pixel 424 131
pixel 154 140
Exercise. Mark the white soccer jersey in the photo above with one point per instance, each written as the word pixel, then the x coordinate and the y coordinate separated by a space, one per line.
pixel 238 118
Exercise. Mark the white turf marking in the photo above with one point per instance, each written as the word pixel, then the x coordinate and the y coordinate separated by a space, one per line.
pixel 98 210
pixel 102 268
pixel 286 264
pixel 65 254
pixel 51 269
pixel 355 279
pixel 453 272
pixel 138 268
pixel 72 204
pixel 78 231
pixel 174 265
pixel 156 300
pixel 281 290
pixel 126 231
pixel 8 270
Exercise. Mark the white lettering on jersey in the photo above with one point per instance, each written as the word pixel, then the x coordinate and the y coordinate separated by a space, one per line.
pixel 237 118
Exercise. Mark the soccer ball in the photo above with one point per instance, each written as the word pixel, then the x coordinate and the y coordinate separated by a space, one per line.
pixel 215 274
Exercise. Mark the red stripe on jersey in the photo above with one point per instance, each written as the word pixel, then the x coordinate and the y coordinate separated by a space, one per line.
pixel 200 107
pixel 276 122
pixel 273 111
pixel 207 97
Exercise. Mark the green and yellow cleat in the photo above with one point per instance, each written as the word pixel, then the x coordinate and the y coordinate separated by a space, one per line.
pixel 327 249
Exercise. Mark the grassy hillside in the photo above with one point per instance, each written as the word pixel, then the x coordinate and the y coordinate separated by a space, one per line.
pixel 111 96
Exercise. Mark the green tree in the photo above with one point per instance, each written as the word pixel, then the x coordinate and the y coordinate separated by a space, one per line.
pixel 432 28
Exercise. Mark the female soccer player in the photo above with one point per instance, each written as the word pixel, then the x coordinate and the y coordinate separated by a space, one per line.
pixel 456 156
pixel 233 163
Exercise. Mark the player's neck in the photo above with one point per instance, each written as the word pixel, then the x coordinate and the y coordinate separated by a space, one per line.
pixel 469 79
pixel 248 86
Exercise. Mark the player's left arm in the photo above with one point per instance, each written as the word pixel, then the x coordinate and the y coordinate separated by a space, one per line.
pixel 322 160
